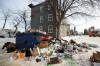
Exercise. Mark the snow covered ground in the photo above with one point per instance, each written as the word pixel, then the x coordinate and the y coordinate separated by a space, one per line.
pixel 81 58
pixel 84 56
pixel 4 40
pixel 87 39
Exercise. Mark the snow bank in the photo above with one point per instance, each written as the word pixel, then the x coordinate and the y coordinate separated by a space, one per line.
pixel 4 40
pixel 87 39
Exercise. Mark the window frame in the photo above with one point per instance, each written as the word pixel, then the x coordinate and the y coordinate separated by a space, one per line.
pixel 50 28
pixel 50 17
pixel 40 28
pixel 49 7
pixel 41 8
pixel 41 19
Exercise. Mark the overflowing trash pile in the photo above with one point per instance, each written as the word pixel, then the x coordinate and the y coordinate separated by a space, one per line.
pixel 40 47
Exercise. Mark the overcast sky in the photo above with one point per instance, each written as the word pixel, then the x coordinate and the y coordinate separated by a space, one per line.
pixel 80 23
pixel 17 4
pixel 13 4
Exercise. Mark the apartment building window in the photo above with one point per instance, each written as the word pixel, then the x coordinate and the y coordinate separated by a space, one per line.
pixel 50 28
pixel 40 28
pixel 50 17
pixel 49 7
pixel 41 19
pixel 41 8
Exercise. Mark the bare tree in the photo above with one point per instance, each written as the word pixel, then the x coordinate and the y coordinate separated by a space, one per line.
pixel 16 23
pixel 6 15
pixel 60 8
pixel 23 17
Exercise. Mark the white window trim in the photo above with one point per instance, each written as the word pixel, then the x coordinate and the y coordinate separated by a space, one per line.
pixel 41 19
pixel 50 28
pixel 49 7
pixel 50 17
pixel 41 8
pixel 40 28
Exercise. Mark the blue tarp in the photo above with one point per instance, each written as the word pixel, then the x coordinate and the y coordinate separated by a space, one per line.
pixel 26 40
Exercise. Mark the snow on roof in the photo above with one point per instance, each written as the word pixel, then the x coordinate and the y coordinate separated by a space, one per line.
pixel 36 3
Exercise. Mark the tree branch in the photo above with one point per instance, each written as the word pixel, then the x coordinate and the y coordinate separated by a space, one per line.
pixel 80 13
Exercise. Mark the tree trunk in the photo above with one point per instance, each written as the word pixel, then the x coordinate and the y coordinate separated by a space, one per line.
pixel 25 26
pixel 4 24
pixel 15 30
pixel 58 31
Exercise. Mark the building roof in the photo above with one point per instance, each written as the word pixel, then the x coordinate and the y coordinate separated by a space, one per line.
pixel 32 5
